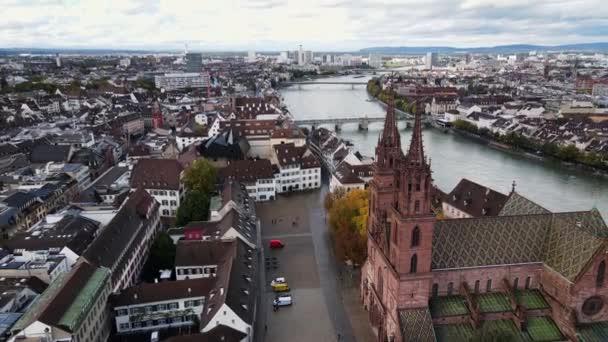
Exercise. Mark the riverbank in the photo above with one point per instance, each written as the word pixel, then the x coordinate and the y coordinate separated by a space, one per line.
pixel 536 157
pixel 580 160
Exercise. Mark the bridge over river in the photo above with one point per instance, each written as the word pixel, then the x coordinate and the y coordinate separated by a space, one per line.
pixel 300 84
pixel 363 122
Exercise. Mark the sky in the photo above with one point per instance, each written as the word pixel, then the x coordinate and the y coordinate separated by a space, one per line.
pixel 319 25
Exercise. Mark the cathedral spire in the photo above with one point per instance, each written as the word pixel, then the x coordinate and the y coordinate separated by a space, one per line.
pixel 415 154
pixel 390 134
pixel 388 150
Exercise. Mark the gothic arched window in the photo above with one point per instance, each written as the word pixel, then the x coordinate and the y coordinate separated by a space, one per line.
pixel 379 283
pixel 601 274
pixel 416 237
pixel 413 264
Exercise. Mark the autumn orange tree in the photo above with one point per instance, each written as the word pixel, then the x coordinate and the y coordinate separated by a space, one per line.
pixel 347 213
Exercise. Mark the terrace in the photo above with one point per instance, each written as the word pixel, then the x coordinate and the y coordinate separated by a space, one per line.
pixel 448 306
pixel 593 332
pixel 492 302
pixel 531 299
pixel 543 329
pixel 539 329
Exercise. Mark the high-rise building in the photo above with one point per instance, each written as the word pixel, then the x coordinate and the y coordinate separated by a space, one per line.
pixel 283 57
pixel 194 62
pixel 58 60
pixel 300 54
pixel 431 60
pixel 251 56
pixel 375 61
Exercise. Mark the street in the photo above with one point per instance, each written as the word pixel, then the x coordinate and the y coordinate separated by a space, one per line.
pixel 307 262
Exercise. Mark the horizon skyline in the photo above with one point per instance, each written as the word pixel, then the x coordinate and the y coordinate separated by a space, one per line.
pixel 242 50
pixel 322 25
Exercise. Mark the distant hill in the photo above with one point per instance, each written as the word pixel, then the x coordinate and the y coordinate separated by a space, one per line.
pixel 75 51
pixel 515 48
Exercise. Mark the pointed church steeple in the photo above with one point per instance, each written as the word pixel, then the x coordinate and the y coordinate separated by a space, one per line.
pixel 415 154
pixel 390 134
pixel 388 150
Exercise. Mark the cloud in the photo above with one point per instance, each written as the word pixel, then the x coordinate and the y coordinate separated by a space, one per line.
pixel 327 25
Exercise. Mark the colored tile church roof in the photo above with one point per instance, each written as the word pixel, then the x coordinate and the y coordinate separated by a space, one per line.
pixel 517 204
pixel 417 325
pixel 563 241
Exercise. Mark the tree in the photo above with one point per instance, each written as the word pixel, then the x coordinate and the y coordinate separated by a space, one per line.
pixel 348 213
pixel 162 256
pixel 199 180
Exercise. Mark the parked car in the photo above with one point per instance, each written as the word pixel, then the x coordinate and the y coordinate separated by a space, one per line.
pixel 274 244
pixel 279 280
pixel 279 285
pixel 283 300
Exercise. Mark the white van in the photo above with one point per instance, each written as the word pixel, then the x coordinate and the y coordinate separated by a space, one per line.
pixel 283 300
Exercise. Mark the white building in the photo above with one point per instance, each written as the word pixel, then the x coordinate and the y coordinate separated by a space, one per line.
pixel 125 62
pixel 375 61
pixel 256 175
pixel 431 60
pixel 163 179
pixel 251 56
pixel 148 307
pixel 298 168
pixel 182 80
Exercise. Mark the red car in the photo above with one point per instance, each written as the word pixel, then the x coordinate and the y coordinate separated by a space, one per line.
pixel 276 244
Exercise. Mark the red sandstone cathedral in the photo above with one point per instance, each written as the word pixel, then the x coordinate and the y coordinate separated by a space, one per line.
pixel 524 274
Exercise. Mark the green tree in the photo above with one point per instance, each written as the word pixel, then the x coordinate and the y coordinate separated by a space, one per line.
pixel 162 256
pixel 347 213
pixel 199 179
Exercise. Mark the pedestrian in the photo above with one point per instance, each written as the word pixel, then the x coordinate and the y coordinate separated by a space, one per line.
pixel 265 328
pixel 339 336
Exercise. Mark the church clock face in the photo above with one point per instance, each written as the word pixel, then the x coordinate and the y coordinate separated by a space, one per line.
pixel 593 305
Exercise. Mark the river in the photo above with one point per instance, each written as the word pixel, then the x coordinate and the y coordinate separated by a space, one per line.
pixel 550 184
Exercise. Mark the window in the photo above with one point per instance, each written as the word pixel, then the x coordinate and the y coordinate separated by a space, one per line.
pixel 601 274
pixel 414 263
pixel 122 312
pixel 416 237
pixel 165 212
pixel 515 283
pixel 435 292
pixel 417 206
pixel 450 288
pixel 593 305
pixel 417 186
pixel 165 202
pixel 528 282
pixel 173 305
pixel 476 286
pixel 489 285
pixel 124 326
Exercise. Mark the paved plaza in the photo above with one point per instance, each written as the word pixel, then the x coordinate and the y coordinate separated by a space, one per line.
pixel 323 305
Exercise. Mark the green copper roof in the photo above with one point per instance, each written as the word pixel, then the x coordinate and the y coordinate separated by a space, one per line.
pixel 40 303
pixel 83 302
